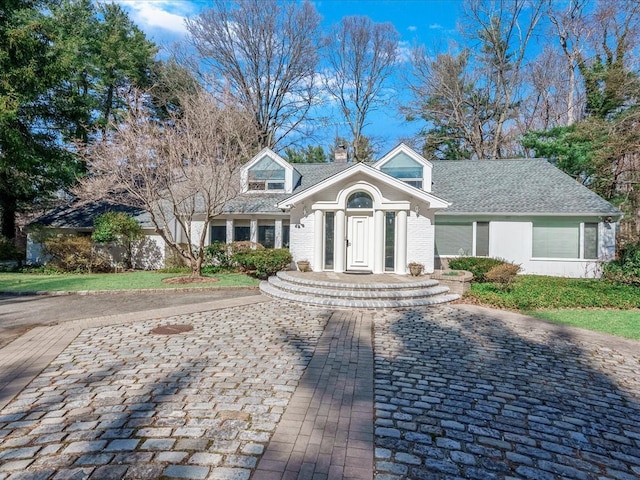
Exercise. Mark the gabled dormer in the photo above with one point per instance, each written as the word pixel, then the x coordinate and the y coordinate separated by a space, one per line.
pixel 407 165
pixel 268 172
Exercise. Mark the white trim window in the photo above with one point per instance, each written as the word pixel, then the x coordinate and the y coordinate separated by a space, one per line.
pixel 565 239
pixel 266 174
pixel 402 167
pixel 460 238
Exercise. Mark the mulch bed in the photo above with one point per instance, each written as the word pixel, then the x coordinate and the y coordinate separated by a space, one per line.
pixel 189 280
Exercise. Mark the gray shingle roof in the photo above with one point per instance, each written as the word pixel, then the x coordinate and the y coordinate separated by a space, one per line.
pixel 311 173
pixel 522 186
pixel 517 187
pixel 81 216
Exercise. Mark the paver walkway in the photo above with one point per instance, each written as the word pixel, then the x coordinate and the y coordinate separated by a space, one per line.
pixel 327 429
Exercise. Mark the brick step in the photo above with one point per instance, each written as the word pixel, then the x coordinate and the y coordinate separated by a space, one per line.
pixel 401 292
pixel 356 291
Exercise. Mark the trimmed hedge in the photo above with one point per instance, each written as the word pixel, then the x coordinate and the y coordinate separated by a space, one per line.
pixel 263 263
pixel 75 253
pixel 478 266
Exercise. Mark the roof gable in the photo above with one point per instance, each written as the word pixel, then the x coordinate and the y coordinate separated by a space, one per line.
pixel 374 174
pixel 291 176
pixel 406 155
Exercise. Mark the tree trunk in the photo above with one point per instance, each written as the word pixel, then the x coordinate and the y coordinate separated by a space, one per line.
pixel 9 206
pixel 196 267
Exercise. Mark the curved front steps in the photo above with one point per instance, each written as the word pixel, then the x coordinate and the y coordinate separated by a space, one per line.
pixel 356 291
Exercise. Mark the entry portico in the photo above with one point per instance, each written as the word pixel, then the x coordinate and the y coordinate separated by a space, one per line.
pixel 361 220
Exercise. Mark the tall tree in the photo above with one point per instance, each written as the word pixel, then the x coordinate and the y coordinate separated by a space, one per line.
pixel 457 109
pixel 103 54
pixel 572 31
pixel 264 53
pixel 470 98
pixel 32 161
pixel 310 154
pixel 182 170
pixel 361 55
pixel 504 29
pixel 64 69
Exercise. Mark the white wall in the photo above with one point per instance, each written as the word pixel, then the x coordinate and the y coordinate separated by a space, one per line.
pixel 149 254
pixel 513 241
pixel 301 236
pixel 420 240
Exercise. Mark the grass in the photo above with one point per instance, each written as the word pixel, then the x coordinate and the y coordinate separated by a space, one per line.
pixel 624 323
pixel 29 282
pixel 596 305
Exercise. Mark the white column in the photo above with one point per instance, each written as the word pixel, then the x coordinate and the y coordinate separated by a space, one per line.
pixel 340 243
pixel 278 234
pixel 378 241
pixel 230 230
pixel 253 230
pixel 318 234
pixel 401 243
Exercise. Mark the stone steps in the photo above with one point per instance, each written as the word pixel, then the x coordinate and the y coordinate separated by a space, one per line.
pixel 365 292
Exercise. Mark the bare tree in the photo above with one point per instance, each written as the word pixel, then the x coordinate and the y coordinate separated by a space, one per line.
pixel 361 55
pixel 503 30
pixel 181 171
pixel 571 29
pixel 551 98
pixel 448 96
pixel 264 53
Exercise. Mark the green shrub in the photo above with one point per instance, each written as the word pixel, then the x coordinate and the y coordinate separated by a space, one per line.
pixel 120 229
pixel 625 269
pixel 74 253
pixel 221 257
pixel 478 266
pixel 503 275
pixel 263 263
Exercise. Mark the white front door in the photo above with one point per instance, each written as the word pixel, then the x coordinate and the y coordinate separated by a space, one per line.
pixel 359 242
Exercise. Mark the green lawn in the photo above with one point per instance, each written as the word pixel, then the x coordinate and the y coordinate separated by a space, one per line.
pixel 624 323
pixel 596 305
pixel 29 282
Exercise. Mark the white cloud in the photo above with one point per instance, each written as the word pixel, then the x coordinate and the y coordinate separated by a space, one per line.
pixel 435 26
pixel 167 15
pixel 412 28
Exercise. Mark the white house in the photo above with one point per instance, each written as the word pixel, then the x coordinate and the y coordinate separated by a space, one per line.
pixel 377 217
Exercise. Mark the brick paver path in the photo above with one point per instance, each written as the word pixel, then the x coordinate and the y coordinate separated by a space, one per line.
pixel 327 429
pixel 270 389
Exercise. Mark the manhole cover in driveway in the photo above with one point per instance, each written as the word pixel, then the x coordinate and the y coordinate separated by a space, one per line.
pixel 171 329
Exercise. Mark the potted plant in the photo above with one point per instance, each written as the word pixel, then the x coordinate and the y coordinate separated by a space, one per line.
pixel 304 265
pixel 416 268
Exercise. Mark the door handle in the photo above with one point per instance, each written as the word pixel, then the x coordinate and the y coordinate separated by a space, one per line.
pixel 348 242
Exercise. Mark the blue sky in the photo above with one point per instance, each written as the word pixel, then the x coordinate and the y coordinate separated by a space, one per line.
pixel 429 22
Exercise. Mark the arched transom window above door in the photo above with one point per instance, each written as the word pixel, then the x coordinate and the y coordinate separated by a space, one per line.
pixel 360 200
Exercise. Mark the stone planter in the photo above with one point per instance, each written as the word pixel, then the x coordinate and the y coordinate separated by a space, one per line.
pixel 416 269
pixel 458 281
pixel 303 265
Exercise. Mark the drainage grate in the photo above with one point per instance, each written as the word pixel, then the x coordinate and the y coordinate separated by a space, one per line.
pixel 171 329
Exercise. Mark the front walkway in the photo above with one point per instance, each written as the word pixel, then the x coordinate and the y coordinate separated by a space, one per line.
pixel 271 389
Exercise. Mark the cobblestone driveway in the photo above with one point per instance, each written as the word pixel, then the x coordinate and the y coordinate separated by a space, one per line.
pixel 458 395
pixel 464 396
pixel 123 403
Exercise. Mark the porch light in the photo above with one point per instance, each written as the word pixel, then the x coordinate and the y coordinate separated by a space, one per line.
pixel 417 210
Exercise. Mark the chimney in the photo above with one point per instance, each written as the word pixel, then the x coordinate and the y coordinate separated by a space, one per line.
pixel 340 154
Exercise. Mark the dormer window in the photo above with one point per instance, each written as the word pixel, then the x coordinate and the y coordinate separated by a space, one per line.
pixel 404 168
pixel 266 174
